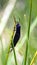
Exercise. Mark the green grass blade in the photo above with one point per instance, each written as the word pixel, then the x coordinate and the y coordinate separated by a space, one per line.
pixel 14 53
pixel 28 34
pixel 29 19
pixel 13 46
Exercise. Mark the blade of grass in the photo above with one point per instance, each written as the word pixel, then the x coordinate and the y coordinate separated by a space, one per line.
pixel 28 34
pixel 33 59
pixel 29 59
pixel 14 49
pixel 14 53
pixel 13 43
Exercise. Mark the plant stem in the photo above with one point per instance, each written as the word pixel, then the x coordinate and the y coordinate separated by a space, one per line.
pixel 14 53
pixel 29 20
pixel 13 44
pixel 28 33
pixel 26 52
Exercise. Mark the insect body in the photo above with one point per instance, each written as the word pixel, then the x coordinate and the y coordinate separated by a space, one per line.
pixel 17 34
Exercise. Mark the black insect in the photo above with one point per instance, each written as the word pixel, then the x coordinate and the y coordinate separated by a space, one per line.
pixel 16 37
pixel 17 34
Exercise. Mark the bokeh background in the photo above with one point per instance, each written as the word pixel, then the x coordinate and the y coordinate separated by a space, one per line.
pixel 20 10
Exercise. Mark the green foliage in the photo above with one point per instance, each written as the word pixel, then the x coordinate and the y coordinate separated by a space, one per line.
pixel 22 11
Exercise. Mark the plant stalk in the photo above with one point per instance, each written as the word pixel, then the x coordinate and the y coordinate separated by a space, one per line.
pixel 27 41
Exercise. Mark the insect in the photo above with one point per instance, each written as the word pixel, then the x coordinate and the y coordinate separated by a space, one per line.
pixel 17 34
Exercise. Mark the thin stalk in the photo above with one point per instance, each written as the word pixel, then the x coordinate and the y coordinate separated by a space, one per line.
pixel 26 52
pixel 13 43
pixel 32 61
pixel 14 53
pixel 29 20
pixel 28 34
pixel 29 59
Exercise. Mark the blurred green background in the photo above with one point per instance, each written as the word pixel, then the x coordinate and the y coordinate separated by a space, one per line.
pixel 21 10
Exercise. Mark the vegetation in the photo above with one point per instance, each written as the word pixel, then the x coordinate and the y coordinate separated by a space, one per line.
pixel 25 51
